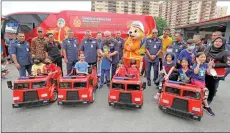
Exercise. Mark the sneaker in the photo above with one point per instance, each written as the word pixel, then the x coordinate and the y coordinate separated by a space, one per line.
pixel 209 110
pixel 101 86
pixel 149 83
pixel 156 97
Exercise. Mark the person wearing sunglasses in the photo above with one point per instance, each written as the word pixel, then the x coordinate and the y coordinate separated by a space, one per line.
pixel 38 43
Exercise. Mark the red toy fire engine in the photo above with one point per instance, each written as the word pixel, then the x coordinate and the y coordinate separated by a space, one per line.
pixel 126 91
pixel 34 90
pixel 79 88
pixel 182 100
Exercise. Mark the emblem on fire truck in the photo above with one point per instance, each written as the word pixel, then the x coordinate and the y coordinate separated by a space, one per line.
pixel 77 22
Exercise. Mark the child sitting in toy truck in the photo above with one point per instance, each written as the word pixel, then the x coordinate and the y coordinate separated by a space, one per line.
pixel 199 69
pixel 121 71
pixel 38 67
pixel 184 72
pixel 4 71
pixel 81 66
pixel 169 64
pixel 133 69
pixel 50 67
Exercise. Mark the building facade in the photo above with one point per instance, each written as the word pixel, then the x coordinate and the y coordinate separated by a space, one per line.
pixel 221 11
pixel 147 7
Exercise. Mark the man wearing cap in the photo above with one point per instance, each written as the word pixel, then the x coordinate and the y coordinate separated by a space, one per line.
pixel 153 48
pixel 21 55
pixel 70 50
pixel 38 43
pixel 9 43
pixel 89 47
pixel 120 43
pixel 178 45
pixel 189 52
pixel 53 49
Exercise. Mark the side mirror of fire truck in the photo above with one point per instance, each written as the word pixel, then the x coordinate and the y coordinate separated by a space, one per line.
pixel 10 85
pixel 144 85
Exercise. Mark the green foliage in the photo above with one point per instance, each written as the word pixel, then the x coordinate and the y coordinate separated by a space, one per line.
pixel 161 24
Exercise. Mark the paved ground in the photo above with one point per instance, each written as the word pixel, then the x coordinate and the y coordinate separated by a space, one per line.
pixel 99 117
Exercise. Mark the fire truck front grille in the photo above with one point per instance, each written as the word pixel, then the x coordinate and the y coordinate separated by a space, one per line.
pixel 72 95
pixel 180 104
pixel 125 98
pixel 30 96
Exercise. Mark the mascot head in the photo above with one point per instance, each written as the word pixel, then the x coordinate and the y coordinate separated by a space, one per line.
pixel 136 30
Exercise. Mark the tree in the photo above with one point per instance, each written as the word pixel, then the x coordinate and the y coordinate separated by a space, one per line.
pixel 161 24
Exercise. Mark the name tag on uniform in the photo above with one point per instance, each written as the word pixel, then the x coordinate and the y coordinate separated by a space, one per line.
pixel 93 42
pixel 27 49
pixel 176 50
pixel 155 46
pixel 18 44
pixel 75 45
pixel 85 41
pixel 91 46
pixel 68 41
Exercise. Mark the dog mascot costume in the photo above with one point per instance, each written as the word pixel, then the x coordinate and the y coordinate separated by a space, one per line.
pixel 133 44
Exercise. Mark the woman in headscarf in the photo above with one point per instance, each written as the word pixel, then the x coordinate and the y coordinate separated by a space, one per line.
pixel 221 57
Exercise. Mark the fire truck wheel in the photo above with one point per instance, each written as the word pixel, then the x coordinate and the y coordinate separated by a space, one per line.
pixel 93 97
pixel 54 97
pixel 140 107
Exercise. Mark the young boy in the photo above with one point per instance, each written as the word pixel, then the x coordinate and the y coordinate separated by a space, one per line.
pixel 50 67
pixel 133 69
pixel 81 66
pixel 4 71
pixel 105 66
pixel 189 53
pixel 38 67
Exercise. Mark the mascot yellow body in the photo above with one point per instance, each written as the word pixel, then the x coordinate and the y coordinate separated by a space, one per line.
pixel 133 43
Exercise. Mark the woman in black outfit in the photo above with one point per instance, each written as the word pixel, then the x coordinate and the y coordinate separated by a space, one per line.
pixel 221 58
pixel 53 49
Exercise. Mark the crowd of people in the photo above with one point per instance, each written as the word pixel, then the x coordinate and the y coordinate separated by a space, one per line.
pixel 187 61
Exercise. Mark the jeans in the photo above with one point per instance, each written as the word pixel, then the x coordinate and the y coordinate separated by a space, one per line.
pixel 99 68
pixel 104 73
pixel 22 70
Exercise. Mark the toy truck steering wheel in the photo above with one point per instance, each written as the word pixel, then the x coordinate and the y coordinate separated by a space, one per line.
pixel 129 75
pixel 81 74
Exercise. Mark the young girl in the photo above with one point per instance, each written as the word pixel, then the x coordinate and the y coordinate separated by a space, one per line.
pixel 185 73
pixel 169 64
pixel 81 66
pixel 199 69
pixel 4 71
pixel 50 67
pixel 38 67
pixel 121 71
pixel 133 69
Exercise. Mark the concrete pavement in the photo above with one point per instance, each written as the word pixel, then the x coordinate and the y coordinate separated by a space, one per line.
pixel 99 117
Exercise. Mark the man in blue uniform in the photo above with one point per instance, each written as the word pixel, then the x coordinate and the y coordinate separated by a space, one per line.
pixel 153 48
pixel 9 42
pixel 99 43
pixel 70 50
pixel 178 45
pixel 90 48
pixel 21 55
pixel 120 43
pixel 113 50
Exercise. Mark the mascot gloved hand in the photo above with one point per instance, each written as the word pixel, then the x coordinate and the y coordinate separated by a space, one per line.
pixel 133 44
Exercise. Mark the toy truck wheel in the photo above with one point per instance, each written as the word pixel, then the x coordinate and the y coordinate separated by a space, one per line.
pixel 54 97
pixel 140 107
pixel 110 104
pixel 93 97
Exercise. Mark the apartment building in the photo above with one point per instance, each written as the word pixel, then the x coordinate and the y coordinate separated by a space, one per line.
pixel 179 13
pixel 146 7
pixel 221 11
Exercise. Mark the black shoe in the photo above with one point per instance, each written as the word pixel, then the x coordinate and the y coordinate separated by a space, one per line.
pixel 209 110
pixel 149 83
